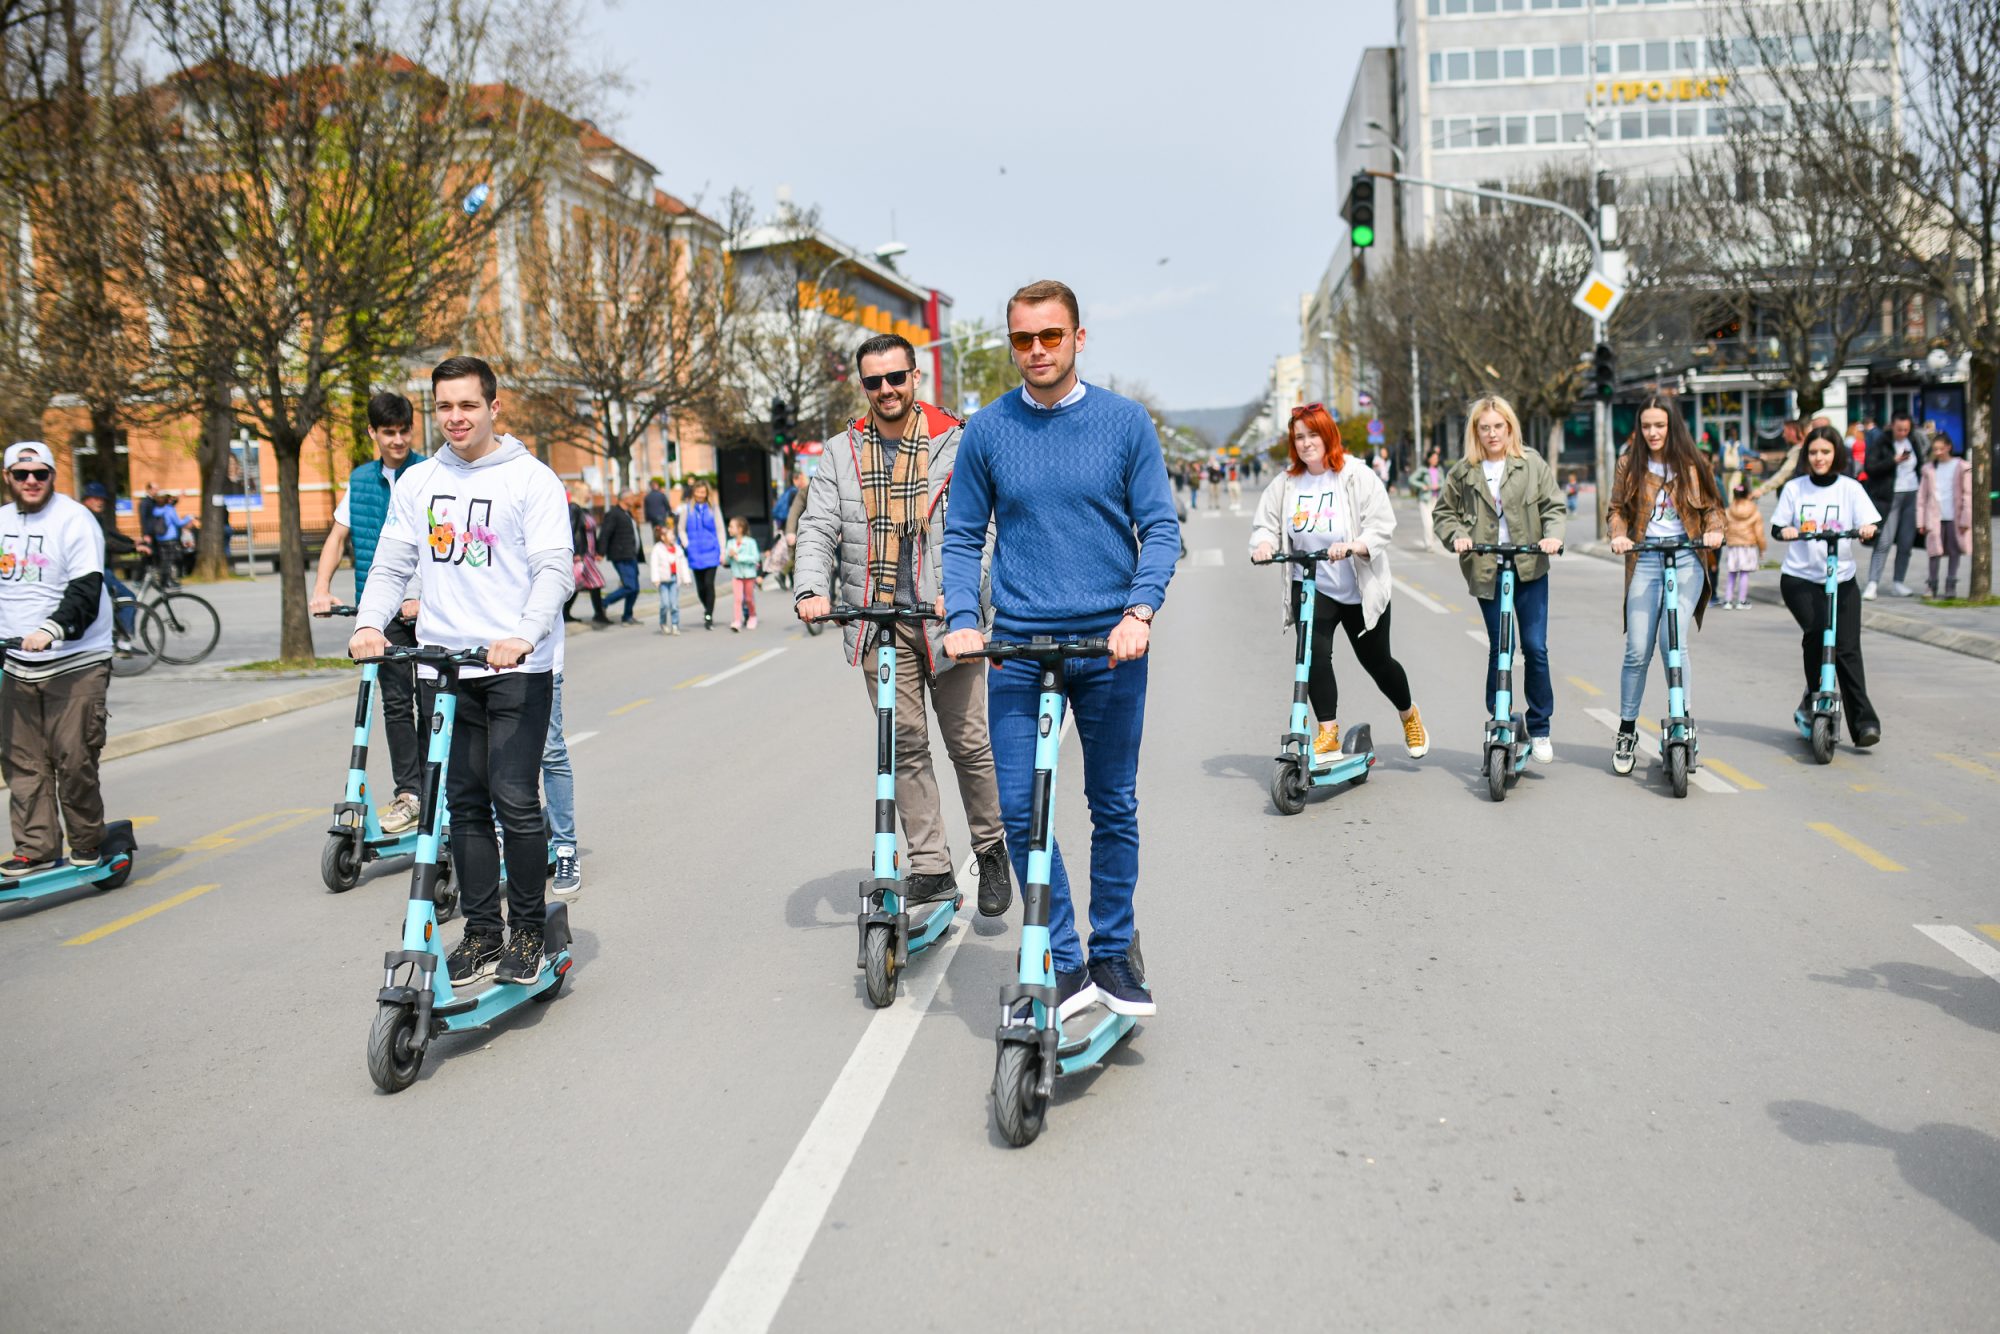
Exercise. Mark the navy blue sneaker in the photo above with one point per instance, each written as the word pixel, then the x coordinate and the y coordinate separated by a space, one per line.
pixel 1075 992
pixel 1119 988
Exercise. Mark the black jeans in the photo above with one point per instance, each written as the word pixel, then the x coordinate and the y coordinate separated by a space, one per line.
pixel 596 603
pixel 1371 649
pixel 704 588
pixel 396 685
pixel 496 765
pixel 1806 599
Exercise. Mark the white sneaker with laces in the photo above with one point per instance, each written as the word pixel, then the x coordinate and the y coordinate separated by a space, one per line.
pixel 1868 593
pixel 1901 590
pixel 1541 750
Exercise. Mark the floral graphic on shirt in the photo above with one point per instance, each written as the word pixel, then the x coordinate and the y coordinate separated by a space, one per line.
pixel 1313 512
pixel 479 541
pixel 7 564
pixel 442 534
pixel 470 541
pixel 28 564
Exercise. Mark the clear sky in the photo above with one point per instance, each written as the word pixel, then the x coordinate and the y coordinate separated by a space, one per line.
pixel 1085 141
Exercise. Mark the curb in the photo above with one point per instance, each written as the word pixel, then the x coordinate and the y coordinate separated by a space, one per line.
pixel 1971 643
pixel 221 720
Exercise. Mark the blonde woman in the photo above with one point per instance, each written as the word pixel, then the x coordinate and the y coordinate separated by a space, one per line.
pixel 1502 491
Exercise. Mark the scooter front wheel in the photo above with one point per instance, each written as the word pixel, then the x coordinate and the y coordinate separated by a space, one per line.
pixel 1288 787
pixel 1677 768
pixel 338 865
pixel 1822 739
pixel 878 966
pixel 1016 1106
pixel 393 1059
pixel 1498 760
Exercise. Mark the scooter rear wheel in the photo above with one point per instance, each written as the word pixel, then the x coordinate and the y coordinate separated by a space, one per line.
pixel 1822 739
pixel 392 1062
pixel 1498 761
pixel 338 866
pixel 879 967
pixel 446 893
pixel 1288 787
pixel 1015 1104
pixel 1677 768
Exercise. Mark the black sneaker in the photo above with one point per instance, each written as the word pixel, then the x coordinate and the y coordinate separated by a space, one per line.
pixel 1119 988
pixel 1075 992
pixel 922 888
pixel 522 961
pixel 996 880
pixel 85 861
pixel 474 957
pixel 17 866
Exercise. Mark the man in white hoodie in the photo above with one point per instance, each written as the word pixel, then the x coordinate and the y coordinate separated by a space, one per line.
pixel 484 526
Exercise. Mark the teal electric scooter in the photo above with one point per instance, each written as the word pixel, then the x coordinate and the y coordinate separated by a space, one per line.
pixel 1680 746
pixel 1506 744
pixel 891 929
pixel 1301 768
pixel 114 862
pixel 1819 721
pixel 417 1003
pixel 1033 1048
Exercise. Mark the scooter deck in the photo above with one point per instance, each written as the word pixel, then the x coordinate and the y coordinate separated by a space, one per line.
pixel 490 998
pixel 1341 768
pixel 929 922
pixel 53 881
pixel 1080 1053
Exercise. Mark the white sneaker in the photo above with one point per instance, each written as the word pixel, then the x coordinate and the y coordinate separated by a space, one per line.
pixel 1868 593
pixel 1901 590
pixel 1541 750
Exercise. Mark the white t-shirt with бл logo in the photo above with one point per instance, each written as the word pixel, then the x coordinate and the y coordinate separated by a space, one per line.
pixel 40 553
pixel 1319 518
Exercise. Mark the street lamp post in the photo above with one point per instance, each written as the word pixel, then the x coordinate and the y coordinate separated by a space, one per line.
pixel 1416 371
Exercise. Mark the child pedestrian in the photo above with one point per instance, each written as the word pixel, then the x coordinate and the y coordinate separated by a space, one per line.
pixel 1742 547
pixel 669 565
pixel 741 556
pixel 1569 494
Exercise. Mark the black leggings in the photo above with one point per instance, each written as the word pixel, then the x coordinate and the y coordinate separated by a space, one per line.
pixel 496 765
pixel 1806 600
pixel 1371 649
pixel 704 588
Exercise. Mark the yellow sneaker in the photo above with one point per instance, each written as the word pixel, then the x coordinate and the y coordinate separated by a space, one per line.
pixel 1414 736
pixel 1328 741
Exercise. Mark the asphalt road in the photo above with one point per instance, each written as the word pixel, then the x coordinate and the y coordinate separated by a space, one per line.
pixel 1594 1058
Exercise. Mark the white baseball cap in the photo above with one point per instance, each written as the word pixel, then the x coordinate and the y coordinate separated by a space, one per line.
pixel 29 451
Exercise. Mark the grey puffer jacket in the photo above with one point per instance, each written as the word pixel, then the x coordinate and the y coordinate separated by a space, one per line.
pixel 834 538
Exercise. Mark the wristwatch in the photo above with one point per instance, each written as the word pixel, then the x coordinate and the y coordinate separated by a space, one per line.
pixel 1141 613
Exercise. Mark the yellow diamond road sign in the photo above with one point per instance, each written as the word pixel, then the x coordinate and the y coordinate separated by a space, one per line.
pixel 1598 296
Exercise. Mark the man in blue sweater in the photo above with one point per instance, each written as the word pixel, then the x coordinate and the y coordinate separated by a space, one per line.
pixel 1073 480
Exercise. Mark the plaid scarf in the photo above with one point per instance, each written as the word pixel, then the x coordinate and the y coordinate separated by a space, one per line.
pixel 896 496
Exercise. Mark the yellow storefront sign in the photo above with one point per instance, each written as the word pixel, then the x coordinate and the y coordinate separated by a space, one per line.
pixel 1712 89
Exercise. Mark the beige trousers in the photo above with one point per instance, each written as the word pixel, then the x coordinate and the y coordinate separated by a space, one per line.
pixel 959 698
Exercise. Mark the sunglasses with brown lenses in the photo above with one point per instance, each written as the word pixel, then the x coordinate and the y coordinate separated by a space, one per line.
pixel 1050 338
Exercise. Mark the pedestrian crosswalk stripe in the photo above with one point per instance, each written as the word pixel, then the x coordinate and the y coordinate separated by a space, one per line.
pixel 1966 946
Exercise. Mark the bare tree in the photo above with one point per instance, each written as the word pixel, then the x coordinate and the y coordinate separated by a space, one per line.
pixel 1914 147
pixel 301 174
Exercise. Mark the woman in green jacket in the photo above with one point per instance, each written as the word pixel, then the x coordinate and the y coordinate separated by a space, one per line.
pixel 1502 491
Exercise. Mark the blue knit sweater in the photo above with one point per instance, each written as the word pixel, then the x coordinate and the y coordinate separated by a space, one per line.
pixel 1085 515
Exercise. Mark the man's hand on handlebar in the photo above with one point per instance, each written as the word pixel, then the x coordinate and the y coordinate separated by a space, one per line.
pixel 1867 531
pixel 366 643
pixel 408 611
pixel 35 641
pixel 809 608
pixel 1128 640
pixel 1551 546
pixel 507 652
pixel 961 642
pixel 1461 545
pixel 320 604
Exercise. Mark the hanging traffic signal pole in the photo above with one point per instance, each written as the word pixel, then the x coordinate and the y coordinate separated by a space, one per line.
pixel 1600 417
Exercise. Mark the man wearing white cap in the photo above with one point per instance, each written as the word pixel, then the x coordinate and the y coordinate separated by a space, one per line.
pixel 53 599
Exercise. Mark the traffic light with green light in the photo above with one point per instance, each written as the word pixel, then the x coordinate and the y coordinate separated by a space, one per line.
pixel 782 423
pixel 1604 372
pixel 1360 210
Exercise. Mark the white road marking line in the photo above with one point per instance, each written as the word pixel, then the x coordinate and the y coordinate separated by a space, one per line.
pixel 765 656
pixel 758 1277
pixel 577 738
pixel 1701 778
pixel 1424 600
pixel 1477 636
pixel 1967 947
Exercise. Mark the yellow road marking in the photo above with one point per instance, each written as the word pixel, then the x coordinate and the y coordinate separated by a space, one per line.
pixel 206 849
pixel 1855 846
pixel 627 708
pixel 751 654
pixel 141 821
pixel 135 918
pixel 1970 766
pixel 1733 774
pixel 1990 929
pixel 1586 687
pixel 1862 787
pixel 692 680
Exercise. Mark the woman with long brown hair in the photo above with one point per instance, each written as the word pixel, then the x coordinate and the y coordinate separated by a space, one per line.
pixel 1327 501
pixel 1663 490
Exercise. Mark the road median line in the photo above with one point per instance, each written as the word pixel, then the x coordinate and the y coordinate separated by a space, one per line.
pixel 133 919
pixel 1850 843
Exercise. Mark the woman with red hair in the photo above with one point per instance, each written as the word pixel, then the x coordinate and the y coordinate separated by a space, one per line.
pixel 1325 502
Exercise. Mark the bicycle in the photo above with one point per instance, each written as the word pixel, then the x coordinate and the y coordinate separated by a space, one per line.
pixel 174 626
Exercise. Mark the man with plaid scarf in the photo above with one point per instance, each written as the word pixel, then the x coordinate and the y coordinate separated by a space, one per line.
pixel 872 530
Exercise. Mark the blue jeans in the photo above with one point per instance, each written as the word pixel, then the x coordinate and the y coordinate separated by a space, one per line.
pixel 1110 711
pixel 628 587
pixel 558 782
pixel 670 603
pixel 1531 615
pixel 1645 626
pixel 129 614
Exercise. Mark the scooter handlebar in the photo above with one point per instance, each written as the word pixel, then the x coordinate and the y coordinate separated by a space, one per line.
pixel 878 615
pixel 1827 535
pixel 1510 549
pixel 1043 650
pixel 1671 544
pixel 1306 558
pixel 430 653
pixel 339 609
